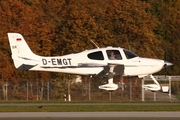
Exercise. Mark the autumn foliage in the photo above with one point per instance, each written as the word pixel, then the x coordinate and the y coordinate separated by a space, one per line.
pixel 58 27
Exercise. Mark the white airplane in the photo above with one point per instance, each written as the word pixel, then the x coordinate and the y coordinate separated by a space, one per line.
pixel 110 61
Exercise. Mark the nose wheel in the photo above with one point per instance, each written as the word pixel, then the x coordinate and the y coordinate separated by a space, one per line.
pixel 152 87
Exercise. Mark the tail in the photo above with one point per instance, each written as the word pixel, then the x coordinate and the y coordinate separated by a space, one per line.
pixel 22 55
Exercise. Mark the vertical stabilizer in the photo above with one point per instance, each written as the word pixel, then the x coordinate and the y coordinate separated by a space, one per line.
pixel 21 53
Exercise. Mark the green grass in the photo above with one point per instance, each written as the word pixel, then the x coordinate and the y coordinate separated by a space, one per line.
pixel 178 96
pixel 88 108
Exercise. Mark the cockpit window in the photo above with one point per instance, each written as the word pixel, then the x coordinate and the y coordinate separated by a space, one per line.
pixel 96 55
pixel 113 54
pixel 129 54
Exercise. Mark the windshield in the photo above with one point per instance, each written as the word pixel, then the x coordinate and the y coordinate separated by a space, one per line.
pixel 129 54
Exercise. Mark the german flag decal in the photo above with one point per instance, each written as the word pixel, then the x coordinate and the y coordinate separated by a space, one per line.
pixel 18 39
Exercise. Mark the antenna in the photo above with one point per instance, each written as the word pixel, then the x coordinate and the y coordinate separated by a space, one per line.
pixel 94 43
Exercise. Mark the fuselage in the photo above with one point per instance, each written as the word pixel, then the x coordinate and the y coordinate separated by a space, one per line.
pixel 93 61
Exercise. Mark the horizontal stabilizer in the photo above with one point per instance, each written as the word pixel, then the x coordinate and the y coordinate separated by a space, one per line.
pixel 24 63
pixel 25 67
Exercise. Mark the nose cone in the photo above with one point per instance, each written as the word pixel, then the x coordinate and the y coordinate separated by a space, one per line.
pixel 167 64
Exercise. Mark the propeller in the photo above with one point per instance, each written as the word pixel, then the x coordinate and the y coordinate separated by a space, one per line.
pixel 166 63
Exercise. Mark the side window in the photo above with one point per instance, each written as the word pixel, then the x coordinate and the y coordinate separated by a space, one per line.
pixel 129 54
pixel 96 56
pixel 114 55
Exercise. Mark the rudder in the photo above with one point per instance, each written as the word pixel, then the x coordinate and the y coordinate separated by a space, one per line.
pixel 21 53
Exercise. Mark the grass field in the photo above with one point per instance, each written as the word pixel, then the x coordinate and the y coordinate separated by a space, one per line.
pixel 85 107
pixel 88 108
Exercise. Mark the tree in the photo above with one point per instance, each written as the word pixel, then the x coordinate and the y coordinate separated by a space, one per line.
pixel 168 12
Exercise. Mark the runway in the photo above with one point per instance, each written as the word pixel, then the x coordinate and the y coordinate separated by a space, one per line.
pixel 90 115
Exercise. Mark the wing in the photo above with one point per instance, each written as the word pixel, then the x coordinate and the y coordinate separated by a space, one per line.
pixel 111 70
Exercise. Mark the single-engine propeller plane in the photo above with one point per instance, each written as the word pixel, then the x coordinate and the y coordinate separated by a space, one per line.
pixel 101 62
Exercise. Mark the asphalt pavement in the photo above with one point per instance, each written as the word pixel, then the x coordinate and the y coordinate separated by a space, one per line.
pixel 90 115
